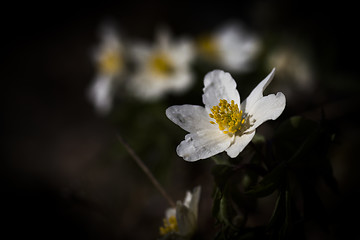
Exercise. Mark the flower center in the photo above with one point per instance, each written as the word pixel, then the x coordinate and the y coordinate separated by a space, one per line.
pixel 230 119
pixel 160 64
pixel 170 225
pixel 208 47
pixel 111 63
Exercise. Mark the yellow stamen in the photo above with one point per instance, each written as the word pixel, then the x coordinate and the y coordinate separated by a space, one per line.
pixel 170 225
pixel 229 118
pixel 161 64
pixel 111 62
pixel 208 47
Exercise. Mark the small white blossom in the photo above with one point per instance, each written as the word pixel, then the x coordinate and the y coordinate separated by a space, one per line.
pixel 182 220
pixel 224 124
pixel 109 60
pixel 231 47
pixel 294 68
pixel 161 68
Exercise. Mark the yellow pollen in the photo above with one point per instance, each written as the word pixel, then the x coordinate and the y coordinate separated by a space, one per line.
pixel 228 116
pixel 111 62
pixel 170 225
pixel 208 47
pixel 161 64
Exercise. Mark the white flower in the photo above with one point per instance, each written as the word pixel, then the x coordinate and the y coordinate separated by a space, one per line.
pixel 182 220
pixel 162 68
pixel 294 68
pixel 231 46
pixel 109 60
pixel 224 124
pixel 109 55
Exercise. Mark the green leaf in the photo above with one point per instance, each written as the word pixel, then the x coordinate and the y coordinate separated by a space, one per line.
pixel 280 221
pixel 290 136
pixel 216 204
pixel 226 208
pixel 223 211
pixel 269 183
pixel 277 211
pixel 295 140
pixel 286 223
pixel 258 139
pixel 302 145
pixel 221 175
pixel 221 161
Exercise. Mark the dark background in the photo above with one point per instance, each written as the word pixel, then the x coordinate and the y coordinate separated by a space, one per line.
pixel 60 174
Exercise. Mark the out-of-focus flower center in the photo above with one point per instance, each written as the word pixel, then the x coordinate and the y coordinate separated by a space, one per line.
pixel 229 118
pixel 111 63
pixel 208 47
pixel 170 225
pixel 161 64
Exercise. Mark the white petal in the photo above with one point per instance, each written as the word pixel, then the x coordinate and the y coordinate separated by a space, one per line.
pixel 182 52
pixel 140 52
pixel 180 81
pixel 100 93
pixel 187 213
pixel 170 212
pixel 219 85
pixel 186 220
pixel 144 87
pixel 237 46
pixel 203 144
pixel 268 108
pixel 163 38
pixel 257 93
pixel 194 203
pixel 187 199
pixel 239 144
pixel 110 42
pixel 191 118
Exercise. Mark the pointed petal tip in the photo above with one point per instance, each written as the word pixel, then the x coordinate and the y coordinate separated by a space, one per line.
pixel 272 73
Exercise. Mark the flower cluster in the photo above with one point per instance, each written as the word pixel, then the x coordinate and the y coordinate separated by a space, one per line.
pixel 224 124
pixel 149 71
pixel 259 189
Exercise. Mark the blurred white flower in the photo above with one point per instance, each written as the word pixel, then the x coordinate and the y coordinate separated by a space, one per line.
pixel 231 47
pixel 224 124
pixel 161 68
pixel 109 60
pixel 294 68
pixel 182 220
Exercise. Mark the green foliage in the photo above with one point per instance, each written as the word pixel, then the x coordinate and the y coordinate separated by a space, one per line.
pixel 289 164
